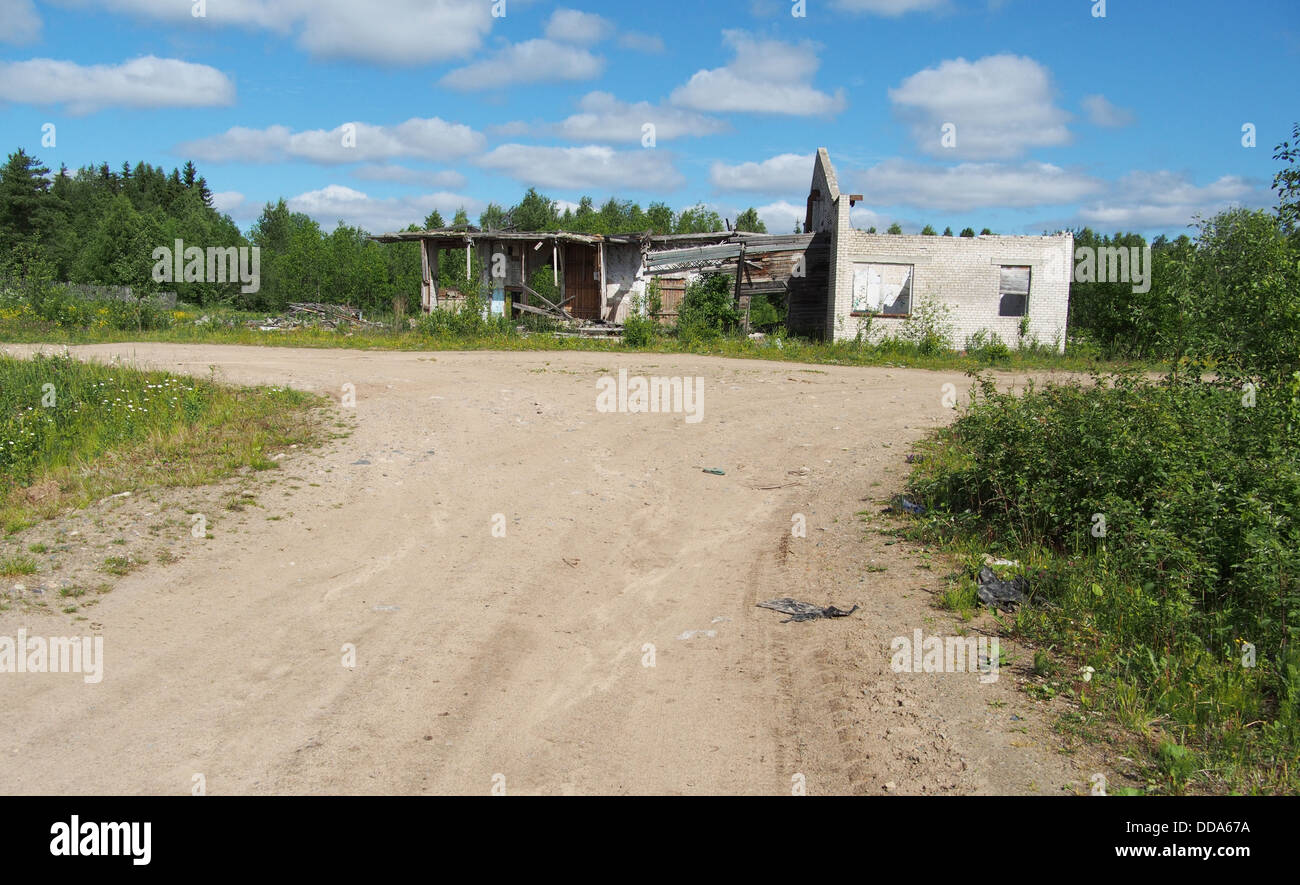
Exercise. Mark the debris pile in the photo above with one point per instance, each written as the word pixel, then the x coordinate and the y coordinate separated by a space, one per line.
pixel 321 316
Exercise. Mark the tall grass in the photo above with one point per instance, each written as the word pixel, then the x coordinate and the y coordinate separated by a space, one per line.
pixel 1161 522
pixel 91 428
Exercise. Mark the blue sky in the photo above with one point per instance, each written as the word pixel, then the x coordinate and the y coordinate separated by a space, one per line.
pixel 376 112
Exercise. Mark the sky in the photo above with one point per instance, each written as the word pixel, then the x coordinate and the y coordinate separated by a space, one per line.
pixel 1024 116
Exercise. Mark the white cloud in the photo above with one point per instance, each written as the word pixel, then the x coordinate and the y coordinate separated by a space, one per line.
pixel 585 168
pixel 19 22
pixel 783 173
pixel 973 185
pixel 780 217
pixel 604 118
pixel 533 61
pixel 228 202
pixel 147 82
pixel 428 139
pixel 388 32
pixel 1102 113
pixel 1001 105
pixel 641 42
pixel 766 76
pixel 863 218
pixel 375 215
pixel 573 26
pixel 1163 199
pixel 890 8
pixel 445 179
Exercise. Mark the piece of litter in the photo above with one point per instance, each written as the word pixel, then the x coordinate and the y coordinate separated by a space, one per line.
pixel 1005 595
pixel 715 471
pixel 901 504
pixel 805 611
pixel 990 561
pixel 699 634
pixel 386 608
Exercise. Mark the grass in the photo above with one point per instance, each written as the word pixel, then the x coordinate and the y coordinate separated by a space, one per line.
pixel 1185 607
pixel 13 566
pixel 73 432
pixel 227 326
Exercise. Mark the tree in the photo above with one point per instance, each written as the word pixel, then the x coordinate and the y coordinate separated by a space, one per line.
pixel 895 228
pixel 535 212
pixel 433 221
pixel 660 218
pixel 1287 182
pixel 492 218
pixel 698 220
pixel 928 231
pixel 986 233
pixel 750 222
pixel 461 219
pixel 968 232
pixel 947 231
pixel 27 213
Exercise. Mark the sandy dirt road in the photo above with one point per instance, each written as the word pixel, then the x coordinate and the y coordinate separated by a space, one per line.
pixel 521 661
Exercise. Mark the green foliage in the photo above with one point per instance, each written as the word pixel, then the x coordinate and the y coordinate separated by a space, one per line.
pixel 766 312
pixel 750 222
pixel 708 308
pixel 895 228
pixel 928 231
pixel 929 326
pixel 988 348
pixel 640 328
pixel 1166 516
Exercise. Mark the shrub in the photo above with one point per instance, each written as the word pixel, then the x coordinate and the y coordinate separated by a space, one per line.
pixel 988 347
pixel 708 308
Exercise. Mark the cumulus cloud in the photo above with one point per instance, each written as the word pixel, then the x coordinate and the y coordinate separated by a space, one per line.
pixel 228 202
pixel 335 203
pixel 603 118
pixel 19 22
pixel 573 26
pixel 388 32
pixel 783 173
pixel 147 82
pixel 584 168
pixel 533 61
pixel 1001 106
pixel 1102 113
pixel 766 76
pixel 1164 199
pixel 428 139
pixel 974 185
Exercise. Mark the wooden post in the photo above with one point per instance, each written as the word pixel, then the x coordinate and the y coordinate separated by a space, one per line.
pixel 425 294
pixel 740 270
pixel 434 259
pixel 601 304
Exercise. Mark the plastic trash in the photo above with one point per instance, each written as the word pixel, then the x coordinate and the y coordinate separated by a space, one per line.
pixel 804 611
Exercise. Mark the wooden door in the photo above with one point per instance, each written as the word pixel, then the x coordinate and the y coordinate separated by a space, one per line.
pixel 582 281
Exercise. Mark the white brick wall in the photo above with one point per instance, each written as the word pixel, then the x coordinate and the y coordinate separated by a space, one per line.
pixel 960 272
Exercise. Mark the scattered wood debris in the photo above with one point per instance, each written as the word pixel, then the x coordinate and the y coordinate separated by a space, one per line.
pixel 322 316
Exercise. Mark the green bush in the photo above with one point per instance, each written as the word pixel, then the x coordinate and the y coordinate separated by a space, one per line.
pixel 1167 515
pixel 708 309
pixel 988 347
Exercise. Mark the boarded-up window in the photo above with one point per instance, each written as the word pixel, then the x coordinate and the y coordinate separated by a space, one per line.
pixel 1013 292
pixel 883 289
